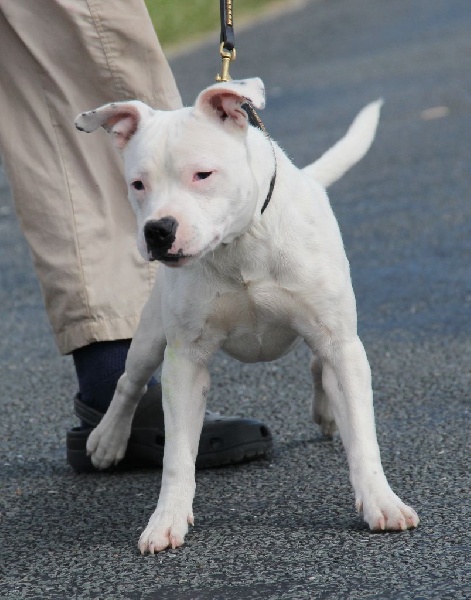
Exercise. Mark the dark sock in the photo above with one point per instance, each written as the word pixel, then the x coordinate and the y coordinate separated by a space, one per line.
pixel 99 366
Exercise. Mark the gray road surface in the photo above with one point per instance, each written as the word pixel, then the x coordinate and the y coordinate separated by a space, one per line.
pixel 286 528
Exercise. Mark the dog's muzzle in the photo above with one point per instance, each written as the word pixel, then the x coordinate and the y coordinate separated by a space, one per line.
pixel 160 235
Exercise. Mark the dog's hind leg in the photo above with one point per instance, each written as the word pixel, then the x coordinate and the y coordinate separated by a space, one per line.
pixel 108 441
pixel 321 411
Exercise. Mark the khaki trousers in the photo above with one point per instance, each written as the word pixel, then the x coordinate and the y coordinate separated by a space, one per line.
pixel 57 59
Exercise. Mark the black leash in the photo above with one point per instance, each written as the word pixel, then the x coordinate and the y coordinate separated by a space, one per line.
pixel 228 54
pixel 227 25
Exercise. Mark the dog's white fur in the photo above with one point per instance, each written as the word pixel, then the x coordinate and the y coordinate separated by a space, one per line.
pixel 248 283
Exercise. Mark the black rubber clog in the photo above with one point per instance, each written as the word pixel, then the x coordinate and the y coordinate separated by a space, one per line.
pixel 224 440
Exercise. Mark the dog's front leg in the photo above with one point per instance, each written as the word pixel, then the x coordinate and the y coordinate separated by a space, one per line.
pixel 185 385
pixel 346 379
pixel 108 441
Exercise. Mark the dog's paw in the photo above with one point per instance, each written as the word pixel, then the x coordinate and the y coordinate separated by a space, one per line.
pixel 167 528
pixel 327 425
pixel 322 415
pixel 386 512
pixel 106 445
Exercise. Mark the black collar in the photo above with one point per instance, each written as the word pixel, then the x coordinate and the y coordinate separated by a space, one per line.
pixel 255 121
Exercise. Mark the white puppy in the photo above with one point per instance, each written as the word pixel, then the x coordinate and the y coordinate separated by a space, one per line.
pixel 252 284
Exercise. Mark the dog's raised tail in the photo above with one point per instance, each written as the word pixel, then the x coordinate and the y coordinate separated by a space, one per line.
pixel 334 163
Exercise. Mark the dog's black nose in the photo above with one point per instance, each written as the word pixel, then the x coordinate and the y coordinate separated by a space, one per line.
pixel 160 234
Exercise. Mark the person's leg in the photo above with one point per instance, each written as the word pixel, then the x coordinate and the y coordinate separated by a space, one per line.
pixel 60 57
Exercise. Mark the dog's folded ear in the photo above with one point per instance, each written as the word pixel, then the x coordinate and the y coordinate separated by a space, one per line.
pixel 224 100
pixel 121 119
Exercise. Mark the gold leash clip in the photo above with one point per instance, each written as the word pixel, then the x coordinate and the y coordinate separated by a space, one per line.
pixel 227 57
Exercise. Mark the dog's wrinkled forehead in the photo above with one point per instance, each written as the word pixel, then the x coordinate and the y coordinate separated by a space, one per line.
pixel 198 132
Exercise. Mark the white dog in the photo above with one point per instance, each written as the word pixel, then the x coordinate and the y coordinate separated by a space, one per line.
pixel 252 284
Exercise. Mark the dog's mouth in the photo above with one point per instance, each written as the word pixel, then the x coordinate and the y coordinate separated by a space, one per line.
pixel 178 259
pixel 168 259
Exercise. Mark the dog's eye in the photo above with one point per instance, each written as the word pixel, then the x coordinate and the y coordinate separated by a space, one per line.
pixel 138 185
pixel 201 175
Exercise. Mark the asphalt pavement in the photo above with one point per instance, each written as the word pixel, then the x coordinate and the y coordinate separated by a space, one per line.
pixel 286 528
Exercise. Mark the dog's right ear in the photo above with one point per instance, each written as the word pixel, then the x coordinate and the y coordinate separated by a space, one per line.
pixel 121 119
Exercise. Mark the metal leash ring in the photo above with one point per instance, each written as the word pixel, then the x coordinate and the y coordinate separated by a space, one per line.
pixel 227 48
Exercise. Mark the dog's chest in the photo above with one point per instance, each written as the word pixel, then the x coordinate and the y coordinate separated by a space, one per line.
pixel 254 318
